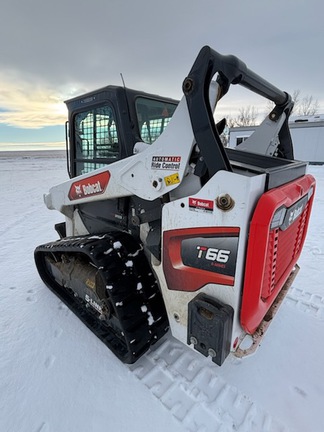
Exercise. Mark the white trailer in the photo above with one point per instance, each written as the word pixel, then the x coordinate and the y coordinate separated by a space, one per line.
pixel 307 135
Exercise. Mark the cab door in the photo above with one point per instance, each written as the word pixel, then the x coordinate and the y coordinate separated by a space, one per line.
pixel 96 143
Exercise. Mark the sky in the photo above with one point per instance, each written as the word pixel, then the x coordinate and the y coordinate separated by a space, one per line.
pixel 53 50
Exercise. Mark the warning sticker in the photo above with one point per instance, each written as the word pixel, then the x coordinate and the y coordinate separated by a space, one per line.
pixel 203 205
pixel 172 179
pixel 166 162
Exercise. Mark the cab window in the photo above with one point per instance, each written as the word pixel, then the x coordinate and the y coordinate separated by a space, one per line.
pixel 153 117
pixel 96 139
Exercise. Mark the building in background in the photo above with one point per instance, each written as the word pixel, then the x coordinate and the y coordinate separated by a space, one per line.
pixel 307 134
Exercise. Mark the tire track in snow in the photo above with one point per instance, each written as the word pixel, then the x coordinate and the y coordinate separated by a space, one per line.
pixel 31 297
pixel 49 362
pixel 309 303
pixel 43 427
pixel 188 388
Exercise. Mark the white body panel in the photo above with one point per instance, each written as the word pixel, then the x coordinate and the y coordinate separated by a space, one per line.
pixel 245 191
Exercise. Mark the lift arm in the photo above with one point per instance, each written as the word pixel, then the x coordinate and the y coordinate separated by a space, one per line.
pixel 230 70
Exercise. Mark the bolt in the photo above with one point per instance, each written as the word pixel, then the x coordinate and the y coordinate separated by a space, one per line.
pixel 225 202
pixel 176 316
pixel 211 352
pixel 157 183
pixel 187 85
pixel 135 220
pixel 193 340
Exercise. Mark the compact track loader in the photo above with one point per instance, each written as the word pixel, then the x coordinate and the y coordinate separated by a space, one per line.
pixel 165 227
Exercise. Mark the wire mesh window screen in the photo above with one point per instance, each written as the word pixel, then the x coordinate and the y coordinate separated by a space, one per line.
pixel 153 117
pixel 96 139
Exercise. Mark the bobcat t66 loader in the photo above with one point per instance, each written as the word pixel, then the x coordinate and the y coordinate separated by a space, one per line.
pixel 165 227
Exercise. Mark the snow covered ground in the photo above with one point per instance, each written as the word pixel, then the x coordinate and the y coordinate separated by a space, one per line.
pixel 56 376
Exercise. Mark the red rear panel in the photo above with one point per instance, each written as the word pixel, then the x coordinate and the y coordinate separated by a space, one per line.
pixel 277 234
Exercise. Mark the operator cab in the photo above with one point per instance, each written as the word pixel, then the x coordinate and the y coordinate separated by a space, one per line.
pixel 104 125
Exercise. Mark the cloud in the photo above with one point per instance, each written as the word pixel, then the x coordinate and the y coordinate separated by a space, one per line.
pixel 25 104
pixel 52 50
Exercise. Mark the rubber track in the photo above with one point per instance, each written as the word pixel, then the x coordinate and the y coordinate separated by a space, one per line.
pixel 139 316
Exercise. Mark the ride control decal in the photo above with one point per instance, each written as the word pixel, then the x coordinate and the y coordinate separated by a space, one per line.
pixel 201 205
pixel 87 187
pixel 166 163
